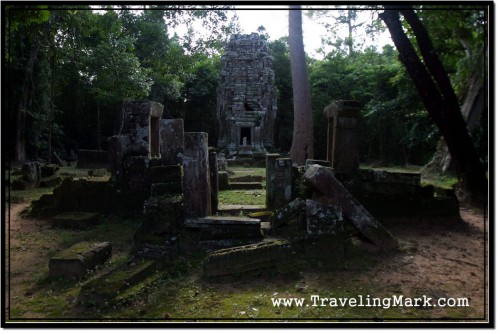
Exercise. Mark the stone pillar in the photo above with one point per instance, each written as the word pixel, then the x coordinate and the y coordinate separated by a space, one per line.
pixel 343 143
pixel 196 182
pixel 214 179
pixel 141 124
pixel 270 176
pixel 117 148
pixel 171 141
pixel 278 181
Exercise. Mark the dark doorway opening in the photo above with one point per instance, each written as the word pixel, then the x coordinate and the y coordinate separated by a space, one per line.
pixel 246 133
pixel 154 132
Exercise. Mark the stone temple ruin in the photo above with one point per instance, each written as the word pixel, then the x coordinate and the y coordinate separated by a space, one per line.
pixel 246 97
pixel 168 178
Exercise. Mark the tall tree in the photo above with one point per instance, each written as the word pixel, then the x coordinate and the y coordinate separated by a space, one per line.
pixel 23 46
pixel 440 100
pixel 303 132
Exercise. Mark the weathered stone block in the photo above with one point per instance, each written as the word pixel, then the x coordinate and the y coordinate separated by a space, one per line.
pixel 142 125
pixel 172 141
pixel 166 174
pixel 323 219
pixel 220 227
pixel 83 195
pixel 107 287
pixel 75 261
pixel 342 138
pixel 329 191
pixel 117 148
pixel 247 178
pixel 223 180
pixel 286 213
pixel 76 220
pixel 245 185
pixel 214 179
pixel 196 181
pixel 136 173
pixel 236 260
pixel 163 215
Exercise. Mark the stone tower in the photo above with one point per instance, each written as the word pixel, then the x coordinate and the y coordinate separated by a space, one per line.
pixel 246 97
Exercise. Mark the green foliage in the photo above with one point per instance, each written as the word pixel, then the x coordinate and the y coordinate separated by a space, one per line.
pixel 394 128
pixel 283 130
pixel 103 56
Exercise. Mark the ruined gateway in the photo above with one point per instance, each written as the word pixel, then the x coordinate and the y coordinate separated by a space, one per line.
pixel 246 97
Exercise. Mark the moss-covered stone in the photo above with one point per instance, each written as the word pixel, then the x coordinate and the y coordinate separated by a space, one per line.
pixel 84 195
pixel 75 261
pixel 241 259
pixel 106 288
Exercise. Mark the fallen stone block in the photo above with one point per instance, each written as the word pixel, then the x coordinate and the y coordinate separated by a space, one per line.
pixel 219 227
pixel 106 288
pixel 323 219
pixel 236 260
pixel 76 220
pixel 328 190
pixel 77 260
pixel 286 213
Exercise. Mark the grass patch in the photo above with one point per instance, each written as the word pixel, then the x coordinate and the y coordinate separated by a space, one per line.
pixel 242 197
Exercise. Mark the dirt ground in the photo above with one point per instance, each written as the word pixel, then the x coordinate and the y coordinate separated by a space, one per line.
pixel 440 260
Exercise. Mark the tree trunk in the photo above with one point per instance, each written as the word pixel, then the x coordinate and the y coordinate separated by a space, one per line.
pixel 53 64
pixel 303 137
pixel 98 126
pixel 472 108
pixel 439 99
pixel 20 139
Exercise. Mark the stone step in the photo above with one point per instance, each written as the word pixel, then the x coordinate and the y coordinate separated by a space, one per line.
pixel 76 220
pixel 107 287
pixel 77 260
pixel 245 185
pixel 246 178
pixel 236 260
pixel 219 227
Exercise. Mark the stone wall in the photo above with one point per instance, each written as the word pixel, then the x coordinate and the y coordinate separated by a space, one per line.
pixel 246 96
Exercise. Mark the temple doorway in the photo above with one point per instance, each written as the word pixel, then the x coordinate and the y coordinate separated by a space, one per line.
pixel 246 133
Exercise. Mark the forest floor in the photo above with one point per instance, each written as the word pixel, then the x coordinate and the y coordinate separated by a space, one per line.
pixel 436 260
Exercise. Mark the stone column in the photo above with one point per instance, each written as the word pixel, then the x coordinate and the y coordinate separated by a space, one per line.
pixel 214 179
pixel 270 176
pixel 196 182
pixel 171 141
pixel 278 181
pixel 141 124
pixel 343 143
